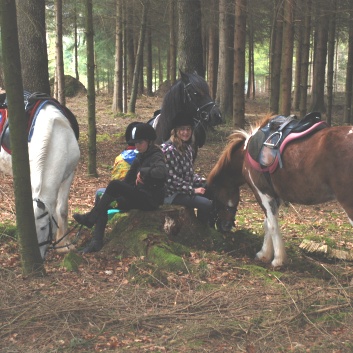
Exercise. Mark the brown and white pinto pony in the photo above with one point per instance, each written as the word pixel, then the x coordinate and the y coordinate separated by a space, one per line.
pixel 316 169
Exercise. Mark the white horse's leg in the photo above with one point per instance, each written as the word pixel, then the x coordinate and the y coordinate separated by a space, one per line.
pixel 62 210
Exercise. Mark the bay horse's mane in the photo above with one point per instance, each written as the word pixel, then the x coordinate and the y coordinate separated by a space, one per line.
pixel 235 140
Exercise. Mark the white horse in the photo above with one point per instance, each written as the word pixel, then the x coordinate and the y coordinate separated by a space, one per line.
pixel 53 156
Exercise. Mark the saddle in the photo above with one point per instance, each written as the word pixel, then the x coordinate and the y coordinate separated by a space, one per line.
pixel 34 102
pixel 267 144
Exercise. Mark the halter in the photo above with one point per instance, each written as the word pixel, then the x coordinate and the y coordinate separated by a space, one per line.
pixel 202 114
pixel 50 240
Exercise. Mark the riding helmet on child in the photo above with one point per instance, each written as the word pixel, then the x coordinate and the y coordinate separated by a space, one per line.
pixel 142 131
pixel 128 132
pixel 183 118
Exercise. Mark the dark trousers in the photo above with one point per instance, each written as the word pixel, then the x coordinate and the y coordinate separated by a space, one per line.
pixel 203 205
pixel 130 197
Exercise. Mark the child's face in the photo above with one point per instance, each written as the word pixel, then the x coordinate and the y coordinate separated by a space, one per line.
pixel 141 145
pixel 184 132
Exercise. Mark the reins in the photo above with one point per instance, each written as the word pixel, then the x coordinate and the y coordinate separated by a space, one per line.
pixel 52 244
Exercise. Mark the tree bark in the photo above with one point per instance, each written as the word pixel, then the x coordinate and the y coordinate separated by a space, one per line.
pixel 139 57
pixel 190 49
pixel 212 62
pixel 239 65
pixel 149 63
pixel 330 61
pixel 304 63
pixel 224 95
pixel 32 263
pixel 33 45
pixel 287 58
pixel 118 72
pixel 59 58
pixel 298 54
pixel 349 73
pixel 275 57
pixel 319 66
pixel 91 94
pixel 172 69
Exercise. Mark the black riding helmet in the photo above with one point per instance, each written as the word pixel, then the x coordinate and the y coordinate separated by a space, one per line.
pixel 128 132
pixel 142 131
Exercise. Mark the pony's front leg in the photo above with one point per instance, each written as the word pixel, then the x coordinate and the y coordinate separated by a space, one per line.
pixel 280 255
pixel 266 252
pixel 273 245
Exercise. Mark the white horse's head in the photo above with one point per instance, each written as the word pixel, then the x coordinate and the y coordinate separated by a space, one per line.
pixel 46 225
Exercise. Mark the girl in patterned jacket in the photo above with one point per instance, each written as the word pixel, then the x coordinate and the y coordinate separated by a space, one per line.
pixel 183 186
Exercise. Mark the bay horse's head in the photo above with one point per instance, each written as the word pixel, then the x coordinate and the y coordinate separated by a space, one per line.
pixel 226 178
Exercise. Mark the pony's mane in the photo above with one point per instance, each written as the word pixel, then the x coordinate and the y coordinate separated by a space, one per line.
pixel 237 138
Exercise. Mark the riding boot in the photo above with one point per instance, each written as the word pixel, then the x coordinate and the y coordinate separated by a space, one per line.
pixel 89 219
pixel 98 234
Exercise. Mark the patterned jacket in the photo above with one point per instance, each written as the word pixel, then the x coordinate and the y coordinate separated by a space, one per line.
pixel 181 178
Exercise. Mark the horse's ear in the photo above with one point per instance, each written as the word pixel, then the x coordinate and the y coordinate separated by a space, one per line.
pixel 184 76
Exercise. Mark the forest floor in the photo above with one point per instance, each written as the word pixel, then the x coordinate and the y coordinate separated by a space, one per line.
pixel 227 303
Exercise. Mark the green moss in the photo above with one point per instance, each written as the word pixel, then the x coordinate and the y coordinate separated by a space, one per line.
pixel 166 260
pixel 71 261
pixel 8 230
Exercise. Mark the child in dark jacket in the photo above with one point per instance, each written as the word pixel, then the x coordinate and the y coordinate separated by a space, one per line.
pixel 142 187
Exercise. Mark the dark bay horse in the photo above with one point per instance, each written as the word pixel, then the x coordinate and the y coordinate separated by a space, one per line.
pixel 190 94
pixel 315 169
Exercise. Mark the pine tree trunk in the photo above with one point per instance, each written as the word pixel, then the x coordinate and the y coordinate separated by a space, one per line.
pixel 172 44
pixel 118 72
pixel 139 58
pixel 330 63
pixel 91 95
pixel 287 59
pixel 32 263
pixel 349 73
pixel 33 45
pixel 304 64
pixel 190 49
pixel 239 65
pixel 224 95
pixel 319 66
pixel 149 64
pixel 60 72
pixel 275 57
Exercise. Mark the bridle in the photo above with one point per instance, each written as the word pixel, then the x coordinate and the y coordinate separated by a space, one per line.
pixel 203 114
pixel 50 240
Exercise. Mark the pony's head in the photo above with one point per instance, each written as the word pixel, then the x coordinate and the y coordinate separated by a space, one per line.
pixel 226 178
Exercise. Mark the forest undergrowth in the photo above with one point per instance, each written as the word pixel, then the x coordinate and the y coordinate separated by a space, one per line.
pixel 223 301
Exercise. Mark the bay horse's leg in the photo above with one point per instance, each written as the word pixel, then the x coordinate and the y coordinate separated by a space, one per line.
pixel 273 245
pixel 62 209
